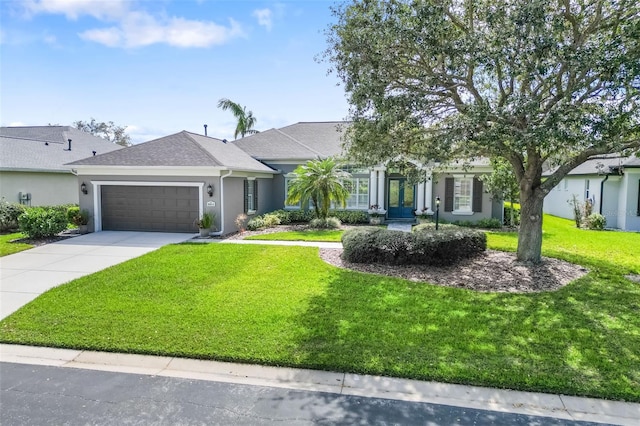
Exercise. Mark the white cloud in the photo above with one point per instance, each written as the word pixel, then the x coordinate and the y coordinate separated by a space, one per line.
pixel 265 18
pixel 16 124
pixel 140 29
pixel 72 9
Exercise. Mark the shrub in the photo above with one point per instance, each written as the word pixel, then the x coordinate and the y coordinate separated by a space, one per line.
pixel 426 247
pixel 270 220
pixel 328 223
pixel 489 223
pixel 352 217
pixel 255 223
pixel 300 216
pixel 429 226
pixel 241 222
pixel 507 216
pixel 283 215
pixel 9 213
pixel 596 221
pixel 38 222
pixel 77 217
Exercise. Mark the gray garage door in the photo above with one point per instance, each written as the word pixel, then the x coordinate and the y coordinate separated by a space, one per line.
pixel 149 208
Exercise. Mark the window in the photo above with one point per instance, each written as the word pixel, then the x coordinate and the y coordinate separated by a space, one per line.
pixel 463 195
pixel 358 193
pixel 462 191
pixel 250 196
pixel 287 183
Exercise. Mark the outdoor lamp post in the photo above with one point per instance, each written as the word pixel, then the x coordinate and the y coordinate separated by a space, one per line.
pixel 437 211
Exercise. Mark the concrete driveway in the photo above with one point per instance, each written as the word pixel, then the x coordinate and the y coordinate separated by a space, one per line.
pixel 26 275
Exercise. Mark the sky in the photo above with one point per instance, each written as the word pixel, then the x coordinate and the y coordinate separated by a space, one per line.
pixel 160 66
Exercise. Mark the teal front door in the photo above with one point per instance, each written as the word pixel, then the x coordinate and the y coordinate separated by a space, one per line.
pixel 400 201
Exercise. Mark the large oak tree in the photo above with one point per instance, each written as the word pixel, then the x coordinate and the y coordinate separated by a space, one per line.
pixel 534 82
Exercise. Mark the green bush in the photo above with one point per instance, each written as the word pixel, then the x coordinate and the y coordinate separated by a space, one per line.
pixel 427 247
pixel 255 223
pixel 489 223
pixel 429 226
pixel 596 221
pixel 352 217
pixel 38 222
pixel 507 216
pixel 270 220
pixel 328 223
pixel 300 216
pixel 9 213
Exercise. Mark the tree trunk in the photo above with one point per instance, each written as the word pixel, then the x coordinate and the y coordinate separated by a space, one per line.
pixel 530 234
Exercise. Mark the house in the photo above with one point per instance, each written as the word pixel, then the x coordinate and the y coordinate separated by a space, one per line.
pixel 167 183
pixel 610 182
pixel 32 163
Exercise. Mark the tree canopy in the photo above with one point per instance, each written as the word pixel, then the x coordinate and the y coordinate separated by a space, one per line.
pixel 532 82
pixel 245 119
pixel 108 131
pixel 321 182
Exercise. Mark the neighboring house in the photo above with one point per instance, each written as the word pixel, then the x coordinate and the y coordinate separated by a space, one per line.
pixel 610 182
pixel 167 183
pixel 32 159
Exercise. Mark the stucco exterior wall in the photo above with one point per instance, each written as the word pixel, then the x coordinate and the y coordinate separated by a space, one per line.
pixel 557 202
pixel 47 189
pixel 628 218
pixel 88 201
pixel 487 204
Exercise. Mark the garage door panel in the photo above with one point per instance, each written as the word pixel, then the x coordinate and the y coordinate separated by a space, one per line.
pixel 149 208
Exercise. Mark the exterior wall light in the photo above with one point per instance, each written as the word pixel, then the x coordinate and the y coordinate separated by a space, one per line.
pixel 83 188
pixel 210 190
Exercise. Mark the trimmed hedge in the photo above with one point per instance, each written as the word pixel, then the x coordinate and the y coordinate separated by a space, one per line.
pixel 328 223
pixel 38 222
pixel 9 213
pixel 437 248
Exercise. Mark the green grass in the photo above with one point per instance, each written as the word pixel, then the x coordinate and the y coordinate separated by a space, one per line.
pixel 595 249
pixel 325 235
pixel 7 247
pixel 284 306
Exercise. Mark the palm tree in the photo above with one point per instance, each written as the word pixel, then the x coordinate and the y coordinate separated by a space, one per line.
pixel 245 118
pixel 321 182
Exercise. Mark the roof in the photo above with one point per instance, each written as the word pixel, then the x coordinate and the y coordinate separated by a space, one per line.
pixel 46 148
pixel 300 141
pixel 602 164
pixel 181 149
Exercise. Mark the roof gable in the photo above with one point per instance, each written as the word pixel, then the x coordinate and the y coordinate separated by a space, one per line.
pixel 300 141
pixel 183 149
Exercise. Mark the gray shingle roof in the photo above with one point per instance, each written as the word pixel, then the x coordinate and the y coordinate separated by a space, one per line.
pixel 180 149
pixel 602 164
pixel 300 141
pixel 45 148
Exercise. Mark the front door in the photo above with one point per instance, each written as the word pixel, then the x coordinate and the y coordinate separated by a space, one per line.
pixel 401 195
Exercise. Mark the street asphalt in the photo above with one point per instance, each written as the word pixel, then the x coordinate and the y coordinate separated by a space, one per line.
pixel 44 395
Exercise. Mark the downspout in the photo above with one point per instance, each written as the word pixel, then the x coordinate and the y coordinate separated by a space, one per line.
pixel 221 231
pixel 602 193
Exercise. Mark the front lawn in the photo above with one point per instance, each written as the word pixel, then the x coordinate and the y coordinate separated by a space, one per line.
pixel 284 306
pixel 324 235
pixel 595 249
pixel 7 247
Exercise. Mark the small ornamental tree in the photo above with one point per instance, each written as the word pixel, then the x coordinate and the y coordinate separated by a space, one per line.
pixel 321 182
pixel 528 81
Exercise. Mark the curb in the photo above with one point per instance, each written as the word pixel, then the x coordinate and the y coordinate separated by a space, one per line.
pixel 502 400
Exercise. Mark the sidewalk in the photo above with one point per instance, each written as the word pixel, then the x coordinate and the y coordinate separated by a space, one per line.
pixel 528 403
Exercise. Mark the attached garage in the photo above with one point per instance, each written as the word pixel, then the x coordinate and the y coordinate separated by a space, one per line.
pixel 149 208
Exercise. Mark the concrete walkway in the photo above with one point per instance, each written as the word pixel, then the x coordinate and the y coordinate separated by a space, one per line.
pixel 528 403
pixel 26 275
